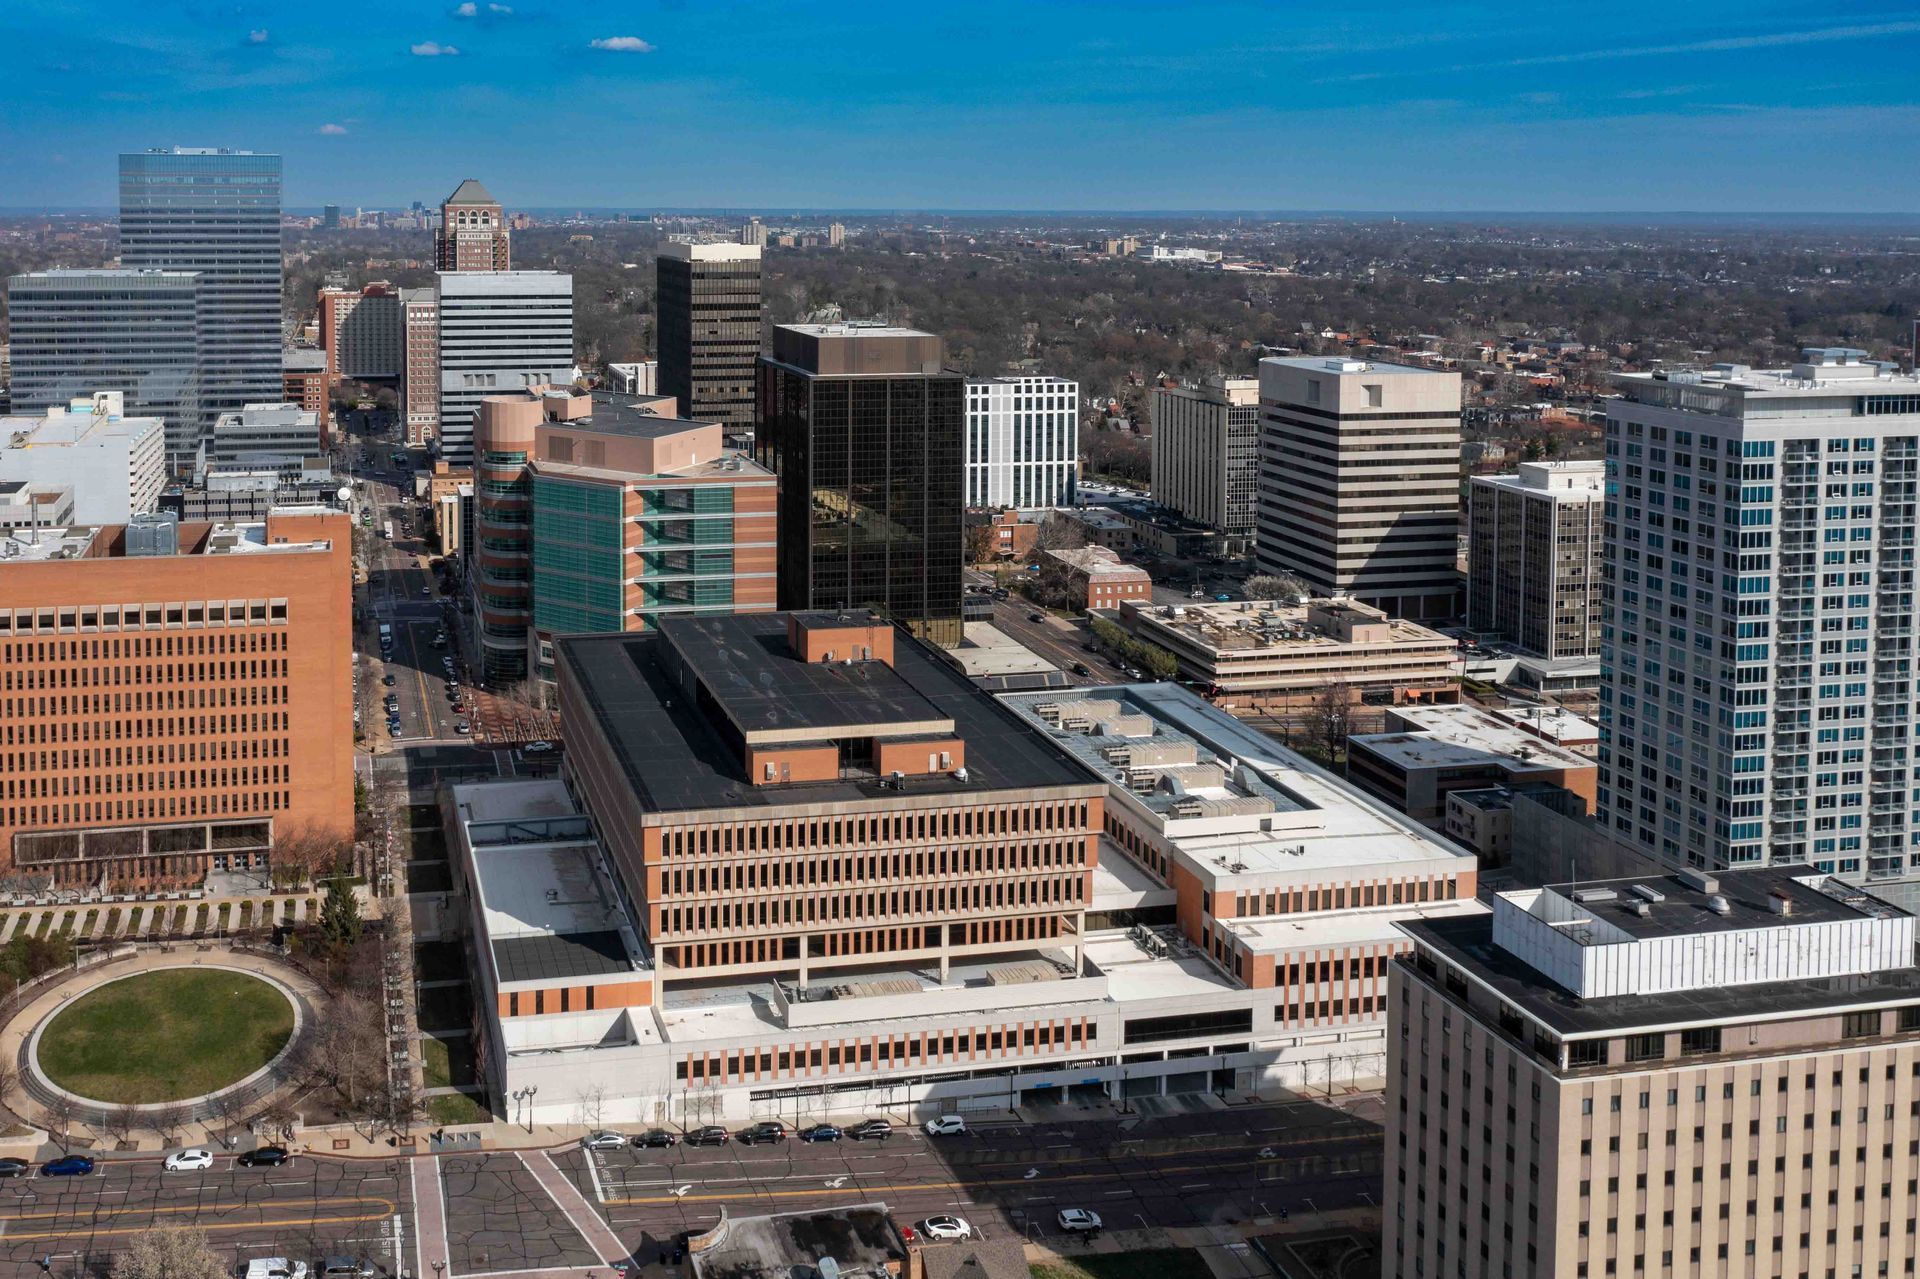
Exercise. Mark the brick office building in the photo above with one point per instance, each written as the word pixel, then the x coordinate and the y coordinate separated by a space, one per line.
pixel 173 697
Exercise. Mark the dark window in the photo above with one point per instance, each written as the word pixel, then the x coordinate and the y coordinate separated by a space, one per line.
pixel 1147 1030
pixel 1706 1039
pixel 1646 1047
pixel 1860 1025
pixel 1586 1052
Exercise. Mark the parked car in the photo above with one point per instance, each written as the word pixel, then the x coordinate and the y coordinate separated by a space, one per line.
pixel 946 1126
pixel 388 680
pixel 655 1139
pixel 188 1160
pixel 347 1268
pixel 1222 598
pixel 767 1130
pixel 711 1135
pixel 871 1130
pixel 67 1166
pixel 946 1227
pixel 266 1157
pixel 536 748
pixel 604 1140
pixel 462 726
pixel 820 1132
pixel 1078 1219
pixel 14 1167
pixel 275 1268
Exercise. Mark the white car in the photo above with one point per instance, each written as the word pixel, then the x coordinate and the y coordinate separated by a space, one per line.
pixel 1078 1219
pixel 946 1228
pixel 188 1160
pixel 275 1268
pixel 536 748
pixel 603 1141
pixel 945 1126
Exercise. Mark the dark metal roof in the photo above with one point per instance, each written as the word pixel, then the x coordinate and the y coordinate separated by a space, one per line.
pixel 554 955
pixel 470 192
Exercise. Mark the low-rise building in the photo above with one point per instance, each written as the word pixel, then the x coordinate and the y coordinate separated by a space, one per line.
pixel 1268 653
pixel 1098 526
pixel 1429 751
pixel 1162 531
pixel 1683 1074
pixel 1094 577
pixel 114 465
pixel 997 662
pixel 304 381
pixel 1011 535
pixel 31 504
pixel 641 377
pixel 246 495
pixel 282 435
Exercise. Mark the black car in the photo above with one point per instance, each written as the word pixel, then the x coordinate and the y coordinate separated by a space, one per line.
pixel 820 1132
pixel 871 1130
pixel 766 1131
pixel 265 1157
pixel 1036 617
pixel 14 1167
pixel 711 1135
pixel 655 1138
pixel 388 680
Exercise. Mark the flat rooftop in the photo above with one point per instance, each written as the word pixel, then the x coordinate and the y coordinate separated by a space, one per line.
pixel 1273 626
pixel 856 329
pixel 1463 737
pixel 1376 926
pixel 1825 373
pixel 673 755
pixel 986 651
pixel 1338 365
pixel 861 1240
pixel 1683 909
pixel 616 413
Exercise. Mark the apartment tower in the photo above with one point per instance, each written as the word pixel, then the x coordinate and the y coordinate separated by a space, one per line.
pixel 865 428
pixel 473 234
pixel 1206 454
pixel 1535 542
pixel 709 300
pixel 1023 441
pixel 1360 482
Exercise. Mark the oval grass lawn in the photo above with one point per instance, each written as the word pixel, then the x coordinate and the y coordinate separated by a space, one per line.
pixel 166 1035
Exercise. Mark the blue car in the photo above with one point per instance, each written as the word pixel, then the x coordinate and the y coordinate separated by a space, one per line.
pixel 68 1166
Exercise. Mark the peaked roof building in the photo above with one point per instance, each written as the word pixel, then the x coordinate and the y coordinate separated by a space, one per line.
pixel 473 233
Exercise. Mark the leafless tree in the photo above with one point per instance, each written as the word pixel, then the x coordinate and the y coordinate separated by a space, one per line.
pixel 9 1080
pixel 306 853
pixel 1329 720
pixel 222 1113
pixel 121 1121
pixel 349 1052
pixel 401 1105
pixel 590 1106
pixel 1275 586
pixel 61 1111
pixel 168 1253
pixel 168 1119
pixel 277 1121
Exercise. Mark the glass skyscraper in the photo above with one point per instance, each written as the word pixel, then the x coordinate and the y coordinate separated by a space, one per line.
pixel 216 212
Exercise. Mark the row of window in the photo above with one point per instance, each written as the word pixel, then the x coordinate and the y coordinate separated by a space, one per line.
pixel 888 828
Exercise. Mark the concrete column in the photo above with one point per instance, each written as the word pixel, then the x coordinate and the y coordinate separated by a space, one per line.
pixel 803 960
pixel 946 958
pixel 1080 945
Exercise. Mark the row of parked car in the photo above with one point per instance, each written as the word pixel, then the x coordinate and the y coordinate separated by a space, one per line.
pixel 190 1160
pixel 767 1132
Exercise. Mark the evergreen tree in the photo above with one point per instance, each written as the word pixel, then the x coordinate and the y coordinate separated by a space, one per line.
pixel 340 913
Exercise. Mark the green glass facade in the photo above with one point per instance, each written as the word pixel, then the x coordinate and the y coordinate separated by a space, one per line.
pixel 577 549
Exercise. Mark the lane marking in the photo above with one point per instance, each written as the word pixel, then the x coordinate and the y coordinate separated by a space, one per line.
pixel 386 1208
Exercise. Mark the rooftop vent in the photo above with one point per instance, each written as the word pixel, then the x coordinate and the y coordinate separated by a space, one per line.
pixel 1594 894
pixel 1719 905
pixel 1780 903
pixel 1640 908
pixel 1649 893
pixel 1699 881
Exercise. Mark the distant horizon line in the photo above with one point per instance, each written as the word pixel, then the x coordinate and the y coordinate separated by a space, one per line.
pixel 1594 216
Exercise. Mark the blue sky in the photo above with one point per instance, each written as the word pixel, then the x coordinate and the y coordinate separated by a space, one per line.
pixel 1047 104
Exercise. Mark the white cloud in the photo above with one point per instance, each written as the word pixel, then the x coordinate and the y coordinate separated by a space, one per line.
pixel 472 10
pixel 466 10
pixel 623 44
pixel 433 49
pixel 257 36
pixel 502 9
pixel 333 130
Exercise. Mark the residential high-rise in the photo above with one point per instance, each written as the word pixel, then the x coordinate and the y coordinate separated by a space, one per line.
pixel 205 705
pixel 1535 542
pixel 420 361
pixel 865 428
pixel 1206 455
pixel 1757 694
pixel 499 331
pixel 1360 482
pixel 363 331
pixel 116 464
pixel 473 233
pixel 836 235
pixel 329 217
pixel 709 337
pixel 1687 1075
pixel 135 332
pixel 1023 441
pixel 216 212
pixel 599 512
pixel 754 232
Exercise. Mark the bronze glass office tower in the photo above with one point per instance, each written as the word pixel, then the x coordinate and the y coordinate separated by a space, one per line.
pixel 709 300
pixel 865 428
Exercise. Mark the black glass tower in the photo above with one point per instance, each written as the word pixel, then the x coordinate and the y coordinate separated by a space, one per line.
pixel 709 337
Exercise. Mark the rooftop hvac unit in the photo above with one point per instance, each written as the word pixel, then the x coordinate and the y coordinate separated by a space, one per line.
pixel 1719 905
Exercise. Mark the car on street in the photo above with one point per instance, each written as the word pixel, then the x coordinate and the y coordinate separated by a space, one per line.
pixel 275 1268
pixel 871 1130
pixel 711 1135
pixel 820 1132
pixel 604 1140
pixel 1081 668
pixel 14 1167
pixel 427 591
pixel 67 1166
pixel 764 1132
pixel 946 1126
pixel 393 728
pixel 1036 617
pixel 1078 1219
pixel 946 1227
pixel 347 1268
pixel 188 1160
pixel 536 748
pixel 266 1157
pixel 1222 598
pixel 655 1139
pixel 461 726
pixel 388 680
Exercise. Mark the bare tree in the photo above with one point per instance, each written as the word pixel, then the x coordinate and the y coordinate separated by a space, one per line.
pixel 168 1119
pixel 223 1111
pixel 590 1106
pixel 174 1253
pixel 61 1111
pixel 348 1054
pixel 9 1080
pixel 121 1121
pixel 277 1121
pixel 1276 586
pixel 308 853
pixel 1329 720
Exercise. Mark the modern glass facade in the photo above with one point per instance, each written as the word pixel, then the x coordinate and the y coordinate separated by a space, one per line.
pixel 709 300
pixel 577 553
pixel 216 212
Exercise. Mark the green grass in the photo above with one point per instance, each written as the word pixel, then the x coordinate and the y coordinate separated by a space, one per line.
pixel 166 1035
pixel 446 1062
pixel 456 1108
pixel 1149 1263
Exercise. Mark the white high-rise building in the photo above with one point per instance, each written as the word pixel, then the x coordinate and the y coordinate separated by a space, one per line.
pixel 1534 549
pixel 499 331
pixel 1023 441
pixel 1206 454
pixel 1360 481
pixel 115 465
pixel 1757 698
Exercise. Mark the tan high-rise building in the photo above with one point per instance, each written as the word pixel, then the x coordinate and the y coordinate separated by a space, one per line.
pixel 1534 545
pixel 1668 1076
pixel 473 233
pixel 420 356
pixel 1206 454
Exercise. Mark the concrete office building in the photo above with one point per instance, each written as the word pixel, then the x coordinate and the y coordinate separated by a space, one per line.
pixel 1023 441
pixel 1684 1075
pixel 709 336
pixel 1535 543
pixel 282 435
pixel 114 465
pixel 1206 455
pixel 865 428
pixel 246 496
pixel 1427 752
pixel 473 234
pixel 420 360
pixel 498 331
pixel 641 377
pixel 216 212
pixel 363 331
pixel 136 332
pixel 29 504
pixel 304 381
pixel 123 778
pixel 1282 655
pixel 1360 482
pixel 1760 711
pixel 620 515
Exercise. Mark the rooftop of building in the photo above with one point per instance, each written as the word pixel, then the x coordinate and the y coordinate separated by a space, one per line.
pixel 1022 379
pixel 677 758
pixel 1821 373
pixel 1464 736
pixel 988 652
pixel 470 192
pixel 716 251
pixel 1556 724
pixel 86 274
pixel 1097 562
pixel 856 329
pixel 861 1240
pixel 79 424
pixel 303 359
pixel 1092 516
pixel 1577 481
pixel 1691 903
pixel 1341 366
pixel 156 536
pixel 1278 626
pixel 1141 511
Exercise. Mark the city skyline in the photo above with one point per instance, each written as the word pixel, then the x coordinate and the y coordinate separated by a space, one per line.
pixel 1230 109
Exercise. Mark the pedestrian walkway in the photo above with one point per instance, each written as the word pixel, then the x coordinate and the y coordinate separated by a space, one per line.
pixel 158 920
pixel 429 1216
pixel 605 1244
